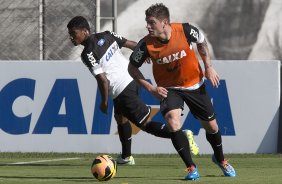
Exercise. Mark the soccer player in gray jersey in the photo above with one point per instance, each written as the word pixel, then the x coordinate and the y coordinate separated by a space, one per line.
pixel 103 57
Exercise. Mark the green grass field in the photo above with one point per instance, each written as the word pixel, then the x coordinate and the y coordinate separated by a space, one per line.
pixel 43 168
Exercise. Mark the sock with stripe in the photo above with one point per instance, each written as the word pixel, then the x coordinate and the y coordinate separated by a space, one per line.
pixel 216 143
pixel 125 133
pixel 181 144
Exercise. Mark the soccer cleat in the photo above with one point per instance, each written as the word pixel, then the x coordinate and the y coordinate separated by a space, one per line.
pixel 194 148
pixel 125 161
pixel 193 173
pixel 226 168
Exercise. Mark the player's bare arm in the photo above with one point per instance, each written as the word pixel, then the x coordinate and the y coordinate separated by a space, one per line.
pixel 210 72
pixel 130 44
pixel 103 87
pixel 159 92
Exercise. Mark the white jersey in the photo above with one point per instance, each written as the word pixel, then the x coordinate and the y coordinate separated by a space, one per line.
pixel 102 54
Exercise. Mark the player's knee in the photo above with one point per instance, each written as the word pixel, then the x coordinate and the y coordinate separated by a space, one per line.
pixel 173 123
pixel 211 127
pixel 142 125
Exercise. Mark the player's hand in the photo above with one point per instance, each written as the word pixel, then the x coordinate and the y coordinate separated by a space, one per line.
pixel 160 93
pixel 104 107
pixel 212 75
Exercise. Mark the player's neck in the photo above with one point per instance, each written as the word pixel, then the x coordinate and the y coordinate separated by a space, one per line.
pixel 166 34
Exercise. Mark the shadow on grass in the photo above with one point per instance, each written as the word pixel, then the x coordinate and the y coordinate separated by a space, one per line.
pixel 212 176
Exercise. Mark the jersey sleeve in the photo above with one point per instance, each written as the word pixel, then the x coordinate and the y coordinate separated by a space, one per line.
pixel 92 64
pixel 119 39
pixel 140 54
pixel 193 34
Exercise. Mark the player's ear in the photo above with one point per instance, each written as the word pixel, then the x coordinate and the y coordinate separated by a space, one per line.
pixel 86 32
pixel 166 22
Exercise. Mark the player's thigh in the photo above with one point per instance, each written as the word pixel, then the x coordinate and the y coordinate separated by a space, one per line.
pixel 173 101
pixel 200 104
pixel 171 107
pixel 136 110
pixel 131 106
pixel 173 119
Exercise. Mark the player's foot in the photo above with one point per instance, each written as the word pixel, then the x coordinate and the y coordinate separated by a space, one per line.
pixel 194 148
pixel 125 161
pixel 193 173
pixel 226 168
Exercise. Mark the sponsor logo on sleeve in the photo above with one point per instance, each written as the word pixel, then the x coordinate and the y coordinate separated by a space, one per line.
pixel 92 59
pixel 194 33
pixel 138 55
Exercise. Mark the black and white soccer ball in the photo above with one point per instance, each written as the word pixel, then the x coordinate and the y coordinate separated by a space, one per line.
pixel 104 167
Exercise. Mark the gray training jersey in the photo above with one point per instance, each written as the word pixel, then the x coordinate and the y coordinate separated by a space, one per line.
pixel 102 54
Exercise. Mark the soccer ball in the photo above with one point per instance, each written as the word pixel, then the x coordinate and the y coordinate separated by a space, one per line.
pixel 104 167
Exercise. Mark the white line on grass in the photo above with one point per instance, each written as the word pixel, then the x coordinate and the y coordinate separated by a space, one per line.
pixel 40 161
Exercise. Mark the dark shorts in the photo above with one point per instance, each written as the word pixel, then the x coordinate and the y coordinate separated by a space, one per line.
pixel 197 100
pixel 130 105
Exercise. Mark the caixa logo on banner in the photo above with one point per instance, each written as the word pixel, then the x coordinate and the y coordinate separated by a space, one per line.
pixel 67 91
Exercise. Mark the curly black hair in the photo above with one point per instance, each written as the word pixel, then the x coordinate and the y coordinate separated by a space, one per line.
pixel 78 22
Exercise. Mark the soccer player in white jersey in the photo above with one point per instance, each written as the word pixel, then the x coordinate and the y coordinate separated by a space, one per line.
pixel 103 57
